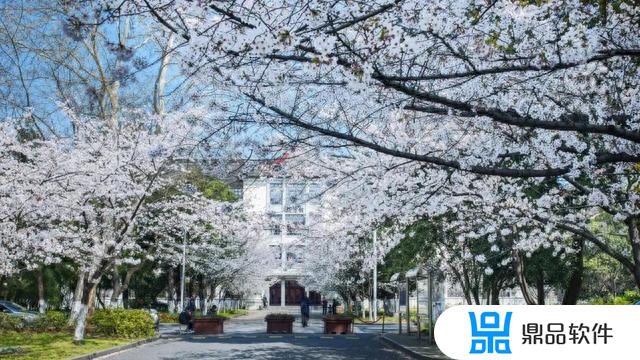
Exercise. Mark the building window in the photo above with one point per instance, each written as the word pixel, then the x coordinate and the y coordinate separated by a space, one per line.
pixel 295 194
pixel 295 223
pixel 275 193
pixel 275 221
pixel 295 255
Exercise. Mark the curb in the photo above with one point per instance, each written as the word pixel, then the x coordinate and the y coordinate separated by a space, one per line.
pixel 116 349
pixel 405 350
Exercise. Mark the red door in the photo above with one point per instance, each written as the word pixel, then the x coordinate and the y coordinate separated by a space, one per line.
pixel 274 294
pixel 293 292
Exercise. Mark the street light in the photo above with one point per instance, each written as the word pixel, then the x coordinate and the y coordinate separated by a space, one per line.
pixel 188 189
pixel 375 275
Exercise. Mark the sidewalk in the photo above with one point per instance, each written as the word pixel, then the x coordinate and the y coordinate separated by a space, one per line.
pixel 410 344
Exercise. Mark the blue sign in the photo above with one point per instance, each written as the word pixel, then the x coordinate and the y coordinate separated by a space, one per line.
pixel 488 337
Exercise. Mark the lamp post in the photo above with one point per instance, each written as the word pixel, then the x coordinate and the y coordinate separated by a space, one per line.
pixel 188 189
pixel 431 306
pixel 184 262
pixel 375 275
pixel 432 283
pixel 283 250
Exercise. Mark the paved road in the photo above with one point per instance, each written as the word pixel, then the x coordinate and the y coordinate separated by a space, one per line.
pixel 244 338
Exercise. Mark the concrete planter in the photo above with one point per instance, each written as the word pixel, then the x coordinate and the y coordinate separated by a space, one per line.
pixel 208 326
pixel 279 326
pixel 337 325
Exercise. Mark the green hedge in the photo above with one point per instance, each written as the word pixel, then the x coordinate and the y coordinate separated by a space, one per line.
pixel 50 321
pixel 629 297
pixel 122 323
pixel 11 323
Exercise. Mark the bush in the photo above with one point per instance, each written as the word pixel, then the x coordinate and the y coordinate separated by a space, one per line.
pixel 279 316
pixel 11 323
pixel 340 316
pixel 629 297
pixel 51 321
pixel 166 317
pixel 122 323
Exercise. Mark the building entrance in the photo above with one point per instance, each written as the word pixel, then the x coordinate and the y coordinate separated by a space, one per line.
pixel 292 294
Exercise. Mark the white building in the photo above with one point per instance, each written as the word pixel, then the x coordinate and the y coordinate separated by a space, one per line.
pixel 291 206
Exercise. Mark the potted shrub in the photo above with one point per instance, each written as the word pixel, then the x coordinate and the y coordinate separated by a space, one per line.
pixel 338 323
pixel 207 325
pixel 278 323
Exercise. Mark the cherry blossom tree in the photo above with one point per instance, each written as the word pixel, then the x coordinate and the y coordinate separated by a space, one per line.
pixel 523 112
pixel 221 240
pixel 511 89
pixel 79 197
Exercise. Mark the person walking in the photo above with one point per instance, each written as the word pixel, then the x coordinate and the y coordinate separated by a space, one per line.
pixel 264 302
pixel 304 310
pixel 335 306
pixel 191 310
pixel 324 306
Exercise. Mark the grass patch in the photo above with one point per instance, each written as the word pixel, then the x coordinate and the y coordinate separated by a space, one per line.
pixel 229 314
pixel 52 346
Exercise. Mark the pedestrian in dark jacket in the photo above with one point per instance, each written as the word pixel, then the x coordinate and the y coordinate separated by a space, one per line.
pixel 305 310
pixel 191 309
pixel 324 306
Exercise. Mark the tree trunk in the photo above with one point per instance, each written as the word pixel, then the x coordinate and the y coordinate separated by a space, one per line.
pixel 495 293
pixel 158 89
pixel 116 286
pixel 4 290
pixel 77 298
pixel 476 296
pixel 475 288
pixel 201 294
pixel 188 289
pixel 171 289
pixel 522 281
pixel 42 305
pixel 91 302
pixel 88 296
pixel 540 288
pixel 125 299
pixel 465 283
pixel 634 239
pixel 124 285
pixel 575 281
pixel 207 298
pixel 99 299
pixel 465 289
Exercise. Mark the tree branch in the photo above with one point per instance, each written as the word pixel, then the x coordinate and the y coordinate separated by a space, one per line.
pixel 505 172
